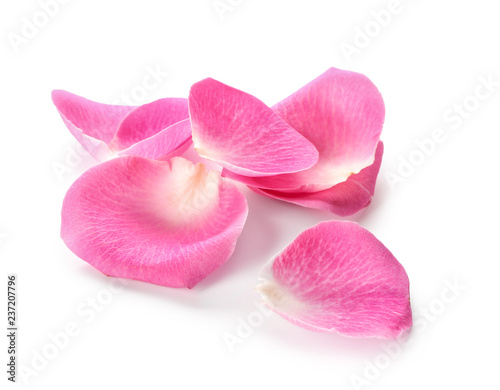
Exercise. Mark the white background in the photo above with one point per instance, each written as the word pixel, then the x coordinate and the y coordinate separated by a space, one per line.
pixel 440 221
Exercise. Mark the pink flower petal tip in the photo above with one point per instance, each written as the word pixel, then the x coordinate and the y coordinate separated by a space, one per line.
pixel 155 130
pixel 165 222
pixel 242 134
pixel 338 277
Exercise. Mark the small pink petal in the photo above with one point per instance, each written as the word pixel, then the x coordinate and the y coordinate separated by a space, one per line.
pixel 165 222
pixel 92 124
pixel 338 277
pixel 149 119
pixel 343 199
pixel 170 142
pixel 244 135
pixel 152 130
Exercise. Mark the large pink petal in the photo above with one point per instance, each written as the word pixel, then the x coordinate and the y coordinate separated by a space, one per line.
pixel 170 142
pixel 92 124
pixel 165 222
pixel 342 114
pixel 338 277
pixel 149 119
pixel 343 199
pixel 243 135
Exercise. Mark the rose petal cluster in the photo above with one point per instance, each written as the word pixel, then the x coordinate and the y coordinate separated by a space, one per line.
pixel 152 210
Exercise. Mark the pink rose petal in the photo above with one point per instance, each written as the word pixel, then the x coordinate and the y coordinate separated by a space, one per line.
pixel 346 198
pixel 106 131
pixel 244 135
pixel 170 142
pixel 149 119
pixel 92 124
pixel 338 277
pixel 342 114
pixel 170 223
